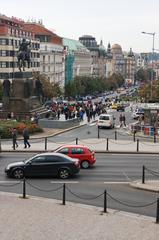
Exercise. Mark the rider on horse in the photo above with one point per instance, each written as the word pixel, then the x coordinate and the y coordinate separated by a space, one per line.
pixel 24 53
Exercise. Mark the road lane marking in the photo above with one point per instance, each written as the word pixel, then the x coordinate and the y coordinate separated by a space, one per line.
pixel 116 182
pixel 64 182
pixel 9 182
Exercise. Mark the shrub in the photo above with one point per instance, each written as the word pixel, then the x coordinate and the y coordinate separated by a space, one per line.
pixel 7 125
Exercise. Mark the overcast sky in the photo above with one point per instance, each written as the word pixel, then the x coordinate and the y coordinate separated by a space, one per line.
pixel 114 21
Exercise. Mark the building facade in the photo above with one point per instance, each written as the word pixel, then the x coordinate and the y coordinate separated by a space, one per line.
pixel 77 59
pixel 130 68
pixel 51 53
pixel 12 31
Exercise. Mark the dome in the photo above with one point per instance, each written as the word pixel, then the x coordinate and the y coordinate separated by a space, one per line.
pixel 116 48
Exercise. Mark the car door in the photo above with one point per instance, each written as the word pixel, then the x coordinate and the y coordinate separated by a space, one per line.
pixel 77 152
pixel 38 166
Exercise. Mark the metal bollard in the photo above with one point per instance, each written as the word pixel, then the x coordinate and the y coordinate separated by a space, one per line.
pixel 107 145
pixel 115 135
pixel 157 211
pixel 24 188
pixel 98 133
pixel 45 143
pixel 105 201
pixel 134 135
pixel 64 194
pixel 143 174
pixel 76 141
pixel 154 140
pixel 137 145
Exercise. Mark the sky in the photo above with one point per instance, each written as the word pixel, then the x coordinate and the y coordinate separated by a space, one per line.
pixel 112 21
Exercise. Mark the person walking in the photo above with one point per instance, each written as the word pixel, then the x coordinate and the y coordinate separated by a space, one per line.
pixel 26 137
pixel 14 138
pixel 124 120
pixel 121 120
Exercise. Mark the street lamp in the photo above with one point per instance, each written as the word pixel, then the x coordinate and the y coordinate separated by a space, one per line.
pixel 153 48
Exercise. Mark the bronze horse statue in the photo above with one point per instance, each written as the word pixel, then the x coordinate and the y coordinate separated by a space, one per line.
pixel 23 55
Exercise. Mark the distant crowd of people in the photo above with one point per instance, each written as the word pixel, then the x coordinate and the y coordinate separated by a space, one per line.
pixel 72 110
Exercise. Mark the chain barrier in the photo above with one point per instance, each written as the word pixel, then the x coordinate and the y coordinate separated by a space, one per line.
pixel 83 141
pixel 154 145
pixel 43 190
pixel 152 172
pixel 36 141
pixel 76 195
pixel 129 205
pixel 10 185
pixel 54 141
pixel 115 142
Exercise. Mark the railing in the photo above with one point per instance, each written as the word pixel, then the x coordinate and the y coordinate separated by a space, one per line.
pixel 135 145
pixel 64 189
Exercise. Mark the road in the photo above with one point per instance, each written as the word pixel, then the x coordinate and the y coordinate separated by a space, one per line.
pixel 112 173
pixel 90 130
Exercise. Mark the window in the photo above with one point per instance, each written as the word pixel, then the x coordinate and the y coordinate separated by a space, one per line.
pixel 77 151
pixel 64 150
pixel 3 65
pixel 3 41
pixel 3 53
pixel 40 159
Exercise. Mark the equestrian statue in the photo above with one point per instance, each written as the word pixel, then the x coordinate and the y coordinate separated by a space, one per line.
pixel 24 54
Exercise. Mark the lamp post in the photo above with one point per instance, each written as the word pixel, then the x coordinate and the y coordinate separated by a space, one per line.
pixel 153 48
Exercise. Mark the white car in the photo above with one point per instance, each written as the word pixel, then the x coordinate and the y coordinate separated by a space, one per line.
pixel 106 121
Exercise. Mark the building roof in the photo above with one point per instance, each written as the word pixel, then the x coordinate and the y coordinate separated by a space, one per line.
pixel 40 29
pixel 74 45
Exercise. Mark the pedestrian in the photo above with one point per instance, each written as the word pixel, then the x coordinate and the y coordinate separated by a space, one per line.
pixel 121 120
pixel 124 120
pixel 26 137
pixel 14 138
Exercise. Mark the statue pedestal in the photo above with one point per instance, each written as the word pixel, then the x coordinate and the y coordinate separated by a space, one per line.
pixel 22 99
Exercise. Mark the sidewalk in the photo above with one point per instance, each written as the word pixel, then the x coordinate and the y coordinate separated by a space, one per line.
pixel 21 219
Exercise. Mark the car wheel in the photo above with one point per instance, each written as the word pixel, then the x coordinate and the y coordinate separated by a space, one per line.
pixel 18 173
pixel 85 164
pixel 64 173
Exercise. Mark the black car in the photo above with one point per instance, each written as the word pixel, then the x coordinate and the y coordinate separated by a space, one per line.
pixel 43 165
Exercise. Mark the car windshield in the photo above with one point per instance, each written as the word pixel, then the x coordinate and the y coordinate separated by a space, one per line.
pixel 104 117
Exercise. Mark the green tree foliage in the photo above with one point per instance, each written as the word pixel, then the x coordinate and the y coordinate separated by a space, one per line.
pixel 50 89
pixel 85 85
pixel 145 75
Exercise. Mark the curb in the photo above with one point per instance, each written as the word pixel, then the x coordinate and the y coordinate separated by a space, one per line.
pixel 144 186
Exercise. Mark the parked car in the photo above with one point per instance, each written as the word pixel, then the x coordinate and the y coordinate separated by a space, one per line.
pixel 106 121
pixel 83 153
pixel 44 164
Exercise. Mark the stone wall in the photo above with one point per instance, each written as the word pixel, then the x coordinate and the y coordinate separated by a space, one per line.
pixel 49 123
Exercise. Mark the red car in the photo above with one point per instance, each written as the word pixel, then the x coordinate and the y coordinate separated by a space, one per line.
pixel 83 153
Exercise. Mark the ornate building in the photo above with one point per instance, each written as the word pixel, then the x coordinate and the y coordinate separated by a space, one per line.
pixel 12 31
pixel 130 67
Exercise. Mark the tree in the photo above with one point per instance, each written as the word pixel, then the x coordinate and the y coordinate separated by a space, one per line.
pixel 50 90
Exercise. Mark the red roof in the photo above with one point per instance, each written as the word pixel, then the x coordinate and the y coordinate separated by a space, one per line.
pixel 41 30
